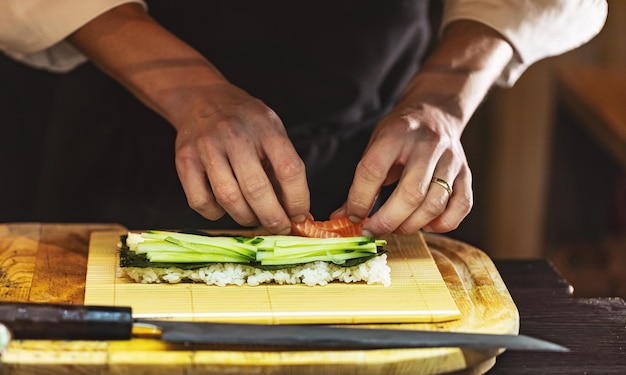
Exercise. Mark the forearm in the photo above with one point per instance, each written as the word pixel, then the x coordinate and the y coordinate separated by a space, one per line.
pixel 421 138
pixel 460 71
pixel 230 147
pixel 149 61
pixel 536 29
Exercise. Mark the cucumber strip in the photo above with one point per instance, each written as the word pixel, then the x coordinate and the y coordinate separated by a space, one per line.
pixel 224 242
pixel 153 246
pixel 213 248
pixel 331 257
pixel 336 258
pixel 305 241
pixel 173 247
pixel 267 243
pixel 176 257
pixel 295 257
pixel 158 246
pixel 271 241
pixel 370 247
pixel 263 254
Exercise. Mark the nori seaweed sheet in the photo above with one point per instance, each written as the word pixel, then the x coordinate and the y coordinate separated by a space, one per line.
pixel 129 258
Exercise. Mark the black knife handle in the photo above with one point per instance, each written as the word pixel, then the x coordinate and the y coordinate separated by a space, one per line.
pixel 43 321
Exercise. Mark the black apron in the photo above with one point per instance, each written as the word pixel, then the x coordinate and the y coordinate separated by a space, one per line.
pixel 330 70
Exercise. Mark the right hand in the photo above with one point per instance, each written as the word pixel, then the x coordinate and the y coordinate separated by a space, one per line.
pixel 233 155
pixel 232 151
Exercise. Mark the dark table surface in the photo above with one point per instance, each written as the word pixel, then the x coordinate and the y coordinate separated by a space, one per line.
pixel 593 328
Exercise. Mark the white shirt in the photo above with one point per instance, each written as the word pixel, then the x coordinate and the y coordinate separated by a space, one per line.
pixel 34 31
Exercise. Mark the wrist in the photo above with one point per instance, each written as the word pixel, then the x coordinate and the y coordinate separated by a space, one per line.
pixel 471 46
pixel 461 70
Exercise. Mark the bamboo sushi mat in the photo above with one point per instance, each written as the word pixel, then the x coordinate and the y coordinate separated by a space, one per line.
pixel 418 293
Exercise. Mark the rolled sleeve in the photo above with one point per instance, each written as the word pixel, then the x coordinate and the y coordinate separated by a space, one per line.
pixel 34 31
pixel 536 29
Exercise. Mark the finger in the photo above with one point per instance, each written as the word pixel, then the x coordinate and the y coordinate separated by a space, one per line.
pixel 289 173
pixel 408 195
pixel 226 189
pixel 343 210
pixel 401 204
pixel 371 173
pixel 458 207
pixel 194 181
pixel 257 189
pixel 433 206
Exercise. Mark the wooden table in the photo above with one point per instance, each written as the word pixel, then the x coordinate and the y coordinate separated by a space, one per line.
pixel 593 328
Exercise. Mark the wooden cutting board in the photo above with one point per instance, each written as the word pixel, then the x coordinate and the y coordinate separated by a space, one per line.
pixel 38 263
pixel 417 293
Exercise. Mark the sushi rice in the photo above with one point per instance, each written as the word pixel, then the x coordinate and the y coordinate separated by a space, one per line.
pixel 373 271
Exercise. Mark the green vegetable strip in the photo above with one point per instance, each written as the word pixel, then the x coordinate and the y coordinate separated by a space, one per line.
pixel 224 242
pixel 279 250
pixel 170 257
pixel 172 247
pixel 201 247
pixel 335 258
pixel 154 246
pixel 296 257
pixel 295 241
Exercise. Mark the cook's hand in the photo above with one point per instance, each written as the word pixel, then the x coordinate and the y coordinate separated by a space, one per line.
pixel 232 152
pixel 411 147
pixel 418 143
pixel 233 155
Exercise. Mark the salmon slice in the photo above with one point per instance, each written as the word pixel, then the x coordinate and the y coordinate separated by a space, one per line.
pixel 339 227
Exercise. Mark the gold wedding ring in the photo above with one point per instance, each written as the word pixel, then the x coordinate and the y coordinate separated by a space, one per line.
pixel 442 183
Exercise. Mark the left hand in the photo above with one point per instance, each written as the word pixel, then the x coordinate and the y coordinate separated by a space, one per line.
pixel 420 139
pixel 412 146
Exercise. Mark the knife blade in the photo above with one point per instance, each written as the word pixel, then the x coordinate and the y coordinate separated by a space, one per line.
pixel 41 321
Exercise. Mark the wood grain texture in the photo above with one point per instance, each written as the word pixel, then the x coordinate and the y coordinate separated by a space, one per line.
pixel 19 245
pixel 45 262
pixel 469 274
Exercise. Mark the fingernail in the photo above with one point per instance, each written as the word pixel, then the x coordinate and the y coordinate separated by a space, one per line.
pixel 298 218
pixel 427 228
pixel 285 232
pixel 355 219
pixel 367 233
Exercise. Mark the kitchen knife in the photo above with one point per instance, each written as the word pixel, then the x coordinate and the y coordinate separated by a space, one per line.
pixel 78 322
